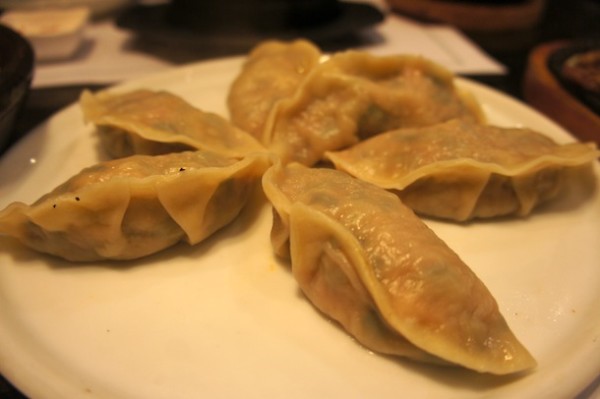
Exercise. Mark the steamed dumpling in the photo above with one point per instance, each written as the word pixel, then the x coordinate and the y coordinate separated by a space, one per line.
pixel 158 122
pixel 460 170
pixel 136 206
pixel 355 95
pixel 272 71
pixel 366 260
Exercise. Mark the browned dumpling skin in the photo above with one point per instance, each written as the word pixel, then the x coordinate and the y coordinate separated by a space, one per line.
pixel 460 170
pixel 366 260
pixel 148 122
pixel 135 206
pixel 272 71
pixel 355 95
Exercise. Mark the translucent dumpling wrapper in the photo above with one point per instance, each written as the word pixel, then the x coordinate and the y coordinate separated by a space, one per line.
pixel 355 95
pixel 135 206
pixel 366 260
pixel 272 71
pixel 150 122
pixel 459 170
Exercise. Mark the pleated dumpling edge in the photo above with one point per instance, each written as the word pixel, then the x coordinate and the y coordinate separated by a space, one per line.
pixel 368 262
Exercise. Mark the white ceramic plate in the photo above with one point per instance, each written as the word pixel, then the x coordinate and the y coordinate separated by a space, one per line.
pixel 225 319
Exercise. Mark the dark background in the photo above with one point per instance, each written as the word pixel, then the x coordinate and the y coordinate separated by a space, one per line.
pixel 562 20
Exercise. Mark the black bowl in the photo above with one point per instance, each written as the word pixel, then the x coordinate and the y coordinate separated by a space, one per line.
pixel 230 27
pixel 16 73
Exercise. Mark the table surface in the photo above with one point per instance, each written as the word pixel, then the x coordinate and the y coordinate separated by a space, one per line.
pixel 562 20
